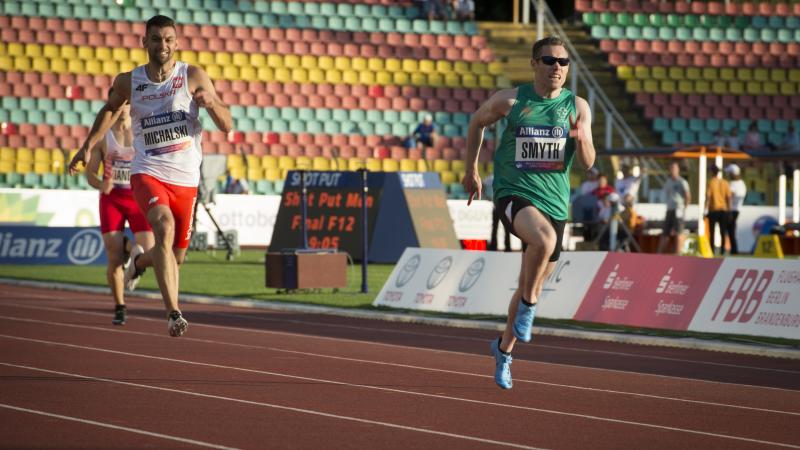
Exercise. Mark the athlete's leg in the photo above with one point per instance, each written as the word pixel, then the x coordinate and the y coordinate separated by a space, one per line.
pixel 113 244
pixel 145 239
pixel 161 256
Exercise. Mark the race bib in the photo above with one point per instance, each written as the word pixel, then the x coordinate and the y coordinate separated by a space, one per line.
pixel 165 133
pixel 121 173
pixel 540 147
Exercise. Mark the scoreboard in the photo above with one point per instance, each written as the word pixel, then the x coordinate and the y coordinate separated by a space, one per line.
pixel 404 209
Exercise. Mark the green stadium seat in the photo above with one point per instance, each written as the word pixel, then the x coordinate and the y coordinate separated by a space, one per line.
pixel 352 23
pixel 700 34
pixel 640 20
pixel 10 8
pixel 383 128
pixel 684 34
pixel 696 125
pixel 181 16
pixel 278 186
pixel 768 35
pixel 10 103
pixel 312 8
pixel 31 180
pixel 674 20
pixel 279 126
pixel 633 32
pixel 758 22
pixel 52 117
pixel 332 127
pixel 72 118
pixel 616 32
pixel 713 125
pixel 599 32
pixel 589 18
pixel 691 21
pixel 326 9
pixel 13 179
pixel 50 181
pixel 234 19
pixel 775 22
pixel 786 35
pixel 664 33
pixel 28 9
pixel 793 22
pixel 295 8
pixel 269 20
pixel 741 22
pixel 264 187
pixel 19 116
pixel 608 19
pixel 751 35
pixel 624 19
pixel 201 17
pixel 733 34
pixel 716 34
pixel 709 20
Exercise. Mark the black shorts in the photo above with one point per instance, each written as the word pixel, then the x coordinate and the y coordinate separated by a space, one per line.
pixel 517 203
pixel 672 223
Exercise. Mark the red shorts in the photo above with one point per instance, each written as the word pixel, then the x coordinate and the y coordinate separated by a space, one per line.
pixel 150 191
pixel 118 206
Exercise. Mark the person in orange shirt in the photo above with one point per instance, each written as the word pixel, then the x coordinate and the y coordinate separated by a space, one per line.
pixel 718 199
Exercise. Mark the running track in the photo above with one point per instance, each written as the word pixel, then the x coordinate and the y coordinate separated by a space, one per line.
pixel 251 378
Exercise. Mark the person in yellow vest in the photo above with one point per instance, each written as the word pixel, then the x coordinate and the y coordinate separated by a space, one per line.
pixel 718 199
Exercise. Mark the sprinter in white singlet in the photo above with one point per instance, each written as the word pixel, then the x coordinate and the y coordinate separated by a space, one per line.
pixel 165 97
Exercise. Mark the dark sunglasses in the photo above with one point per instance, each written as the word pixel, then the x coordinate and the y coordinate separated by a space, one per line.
pixel 550 60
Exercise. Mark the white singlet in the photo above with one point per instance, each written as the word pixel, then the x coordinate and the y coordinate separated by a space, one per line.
pixel 166 128
pixel 117 163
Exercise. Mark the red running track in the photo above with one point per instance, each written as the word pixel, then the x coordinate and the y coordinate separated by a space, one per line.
pixel 252 378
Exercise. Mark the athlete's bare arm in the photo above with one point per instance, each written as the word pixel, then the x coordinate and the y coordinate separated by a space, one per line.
pixel 581 130
pixel 98 154
pixel 203 92
pixel 108 114
pixel 498 106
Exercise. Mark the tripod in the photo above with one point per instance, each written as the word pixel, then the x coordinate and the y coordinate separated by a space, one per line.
pixel 202 194
pixel 613 230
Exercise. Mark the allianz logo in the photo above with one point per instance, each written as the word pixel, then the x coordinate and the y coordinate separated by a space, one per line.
pixel 83 248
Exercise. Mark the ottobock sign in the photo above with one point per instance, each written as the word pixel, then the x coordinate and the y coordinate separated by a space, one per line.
pixel 51 245
pixel 752 296
pixel 482 282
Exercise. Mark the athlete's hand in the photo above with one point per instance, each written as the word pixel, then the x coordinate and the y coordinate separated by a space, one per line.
pixel 576 129
pixel 203 98
pixel 472 185
pixel 82 157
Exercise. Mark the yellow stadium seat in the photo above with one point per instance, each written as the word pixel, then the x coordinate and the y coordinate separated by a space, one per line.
pixel 138 55
pixel 744 74
pixel 308 62
pixel 778 75
pixel 274 60
pixel 110 68
pixel 452 80
pixel 374 165
pixel 59 65
pixel 427 66
pixel 676 73
pixel 41 154
pixel 283 75
pixel 702 86
pixel 234 161
pixel 15 49
pixel 650 86
pixel 727 74
pixel 355 164
pixel 51 51
pixel 789 89
pixel 255 173
pixel 188 56
pixel 214 71
pixel 408 165
pixel 710 73
pixel 393 64
pixel 333 76
pixel 409 65
pixel 694 73
pixel 390 165
pixel 719 87
pixel 458 166
pixel 6 63
pixel 448 177
pixel 68 51
pixel 23 166
pixel 35 50
pixel 265 74
pixel 300 75
pixel 248 73
pixel 461 66
pixel 755 88
pixel 419 79
pixel 302 162
pixel 230 72
pixel 794 75
pixel 358 63
pixel 760 74
pixel 625 72
pixel 366 77
pixel 441 165
pixel 240 59
pixel 350 76
pixel 320 163
pixel 22 63
pixel 338 163
pixel 383 77
pixel 685 87
pixel 478 68
pixel 253 161
pixel 771 88
pixel 269 162
pixel 633 86
pixel 400 78
pixel 422 165
pixel 238 172
pixel 286 162
pixel 272 173
pixel 101 53
pixel 486 81
pixel 469 80
pixel 375 64
pixel 325 62
pixel 341 63
pixel 437 79
pixel 40 64
pixel 24 154
pixel 443 66
pixel 257 60
pixel 6 166
pixel 120 54
pixel 94 66
pixel 7 154
pixel 222 59
pixel 496 68
pixel 316 76
pixel 84 52
pixel 127 66
pixel 41 168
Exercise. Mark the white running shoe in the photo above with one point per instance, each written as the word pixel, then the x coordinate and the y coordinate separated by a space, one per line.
pixel 177 325
pixel 133 276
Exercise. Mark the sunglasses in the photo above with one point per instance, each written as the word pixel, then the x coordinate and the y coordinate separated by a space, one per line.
pixel 550 60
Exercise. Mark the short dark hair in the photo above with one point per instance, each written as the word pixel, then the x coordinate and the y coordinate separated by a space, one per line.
pixel 159 22
pixel 714 169
pixel 548 41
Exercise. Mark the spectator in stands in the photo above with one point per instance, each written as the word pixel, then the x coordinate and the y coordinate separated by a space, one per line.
pixel 166 96
pixel 738 193
pixel 235 185
pixel 488 194
pixel 629 217
pixel 532 187
pixel 791 141
pixel 424 135
pixel 464 9
pixel 733 139
pixel 629 184
pixel 432 9
pixel 117 205
pixel 603 188
pixel 678 196
pixel 752 140
pixel 720 139
pixel 718 201
pixel 590 184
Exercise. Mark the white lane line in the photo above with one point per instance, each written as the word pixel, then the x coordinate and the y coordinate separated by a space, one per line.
pixel 407 348
pixel 112 426
pixel 407 366
pixel 269 405
pixel 401 391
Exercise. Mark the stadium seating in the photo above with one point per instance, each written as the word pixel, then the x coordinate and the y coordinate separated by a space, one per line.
pixel 317 84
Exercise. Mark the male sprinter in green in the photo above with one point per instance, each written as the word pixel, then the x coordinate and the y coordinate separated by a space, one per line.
pixel 547 126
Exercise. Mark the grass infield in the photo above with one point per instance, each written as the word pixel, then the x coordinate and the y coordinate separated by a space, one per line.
pixel 208 273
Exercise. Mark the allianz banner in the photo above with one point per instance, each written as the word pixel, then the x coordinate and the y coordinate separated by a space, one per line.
pixel 51 245
pixel 460 281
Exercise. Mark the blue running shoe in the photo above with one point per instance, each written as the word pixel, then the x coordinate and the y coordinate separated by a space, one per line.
pixel 502 368
pixel 523 322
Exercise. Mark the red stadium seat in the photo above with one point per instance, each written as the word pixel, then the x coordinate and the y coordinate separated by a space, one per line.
pixel 340 140
pixel 277 150
pixel 397 152
pixel 322 139
pixel 366 102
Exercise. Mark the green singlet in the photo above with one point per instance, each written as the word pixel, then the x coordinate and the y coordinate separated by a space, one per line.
pixel 536 152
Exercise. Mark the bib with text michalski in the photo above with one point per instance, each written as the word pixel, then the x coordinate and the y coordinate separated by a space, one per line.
pixel 540 147
pixel 166 133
